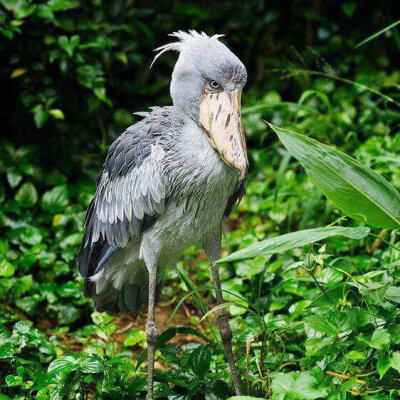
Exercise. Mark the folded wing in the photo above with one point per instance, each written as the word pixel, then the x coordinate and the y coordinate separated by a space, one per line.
pixel 132 191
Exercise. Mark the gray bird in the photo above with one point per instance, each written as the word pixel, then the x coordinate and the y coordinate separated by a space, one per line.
pixel 169 182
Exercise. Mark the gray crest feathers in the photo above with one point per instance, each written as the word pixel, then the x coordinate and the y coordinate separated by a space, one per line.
pixel 186 40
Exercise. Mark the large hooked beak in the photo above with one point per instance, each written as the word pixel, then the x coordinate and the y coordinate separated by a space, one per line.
pixel 221 121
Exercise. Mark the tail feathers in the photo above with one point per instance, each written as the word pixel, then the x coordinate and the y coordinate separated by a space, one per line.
pixel 92 257
pixel 130 298
pixel 91 260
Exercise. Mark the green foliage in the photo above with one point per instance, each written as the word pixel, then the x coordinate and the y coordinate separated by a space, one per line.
pixel 299 385
pixel 313 298
pixel 294 240
pixel 357 190
pixel 377 34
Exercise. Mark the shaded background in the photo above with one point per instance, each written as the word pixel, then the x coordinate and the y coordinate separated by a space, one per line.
pixel 91 59
pixel 72 73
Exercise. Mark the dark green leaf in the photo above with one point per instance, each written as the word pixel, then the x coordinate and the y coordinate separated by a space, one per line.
pixel 6 350
pixel 297 385
pixel 13 380
pixel 393 294
pixel 395 361
pixel 55 200
pixel 27 195
pixel 331 296
pixel 63 364
pixel 293 240
pixel 14 178
pixel 31 235
pixel 221 388
pixel 380 338
pixel 199 360
pixel 383 365
pixel 6 268
pixel 40 115
pixel 357 190
pixel 92 365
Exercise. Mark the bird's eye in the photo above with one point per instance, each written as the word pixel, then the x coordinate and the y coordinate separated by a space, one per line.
pixel 214 84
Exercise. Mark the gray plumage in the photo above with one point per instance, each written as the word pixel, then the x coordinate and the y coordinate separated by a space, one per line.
pixel 163 187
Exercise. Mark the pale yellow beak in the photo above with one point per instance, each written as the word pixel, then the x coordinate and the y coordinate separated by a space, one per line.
pixel 221 121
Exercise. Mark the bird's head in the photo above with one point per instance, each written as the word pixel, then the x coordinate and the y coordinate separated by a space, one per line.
pixel 206 86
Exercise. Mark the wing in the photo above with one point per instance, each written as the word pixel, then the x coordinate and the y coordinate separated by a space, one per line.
pixel 235 198
pixel 132 191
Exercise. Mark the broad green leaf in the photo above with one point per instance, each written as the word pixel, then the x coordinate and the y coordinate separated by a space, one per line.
pixel 380 338
pixel 40 115
pixel 92 365
pixel 248 269
pixel 331 296
pixel 323 325
pixel 31 235
pixel 13 380
pixel 358 317
pixel 21 9
pixel 355 355
pixel 66 313
pixel 9 5
pixel 395 361
pixel 55 200
pixel 69 45
pixel 56 113
pixel 383 365
pixel 134 337
pixel 6 350
pixel 350 384
pixel 27 195
pixel 63 364
pixel 354 188
pixel 14 178
pixel 22 327
pixel 394 331
pixel 101 318
pixel 293 240
pixel 6 268
pixel 393 294
pixel 71 240
pixel 62 5
pixel 297 385
pixel 199 360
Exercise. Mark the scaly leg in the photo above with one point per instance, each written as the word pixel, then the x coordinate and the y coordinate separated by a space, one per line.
pixel 151 332
pixel 225 330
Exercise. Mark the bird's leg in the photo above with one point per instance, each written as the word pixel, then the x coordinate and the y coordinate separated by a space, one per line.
pixel 224 329
pixel 151 332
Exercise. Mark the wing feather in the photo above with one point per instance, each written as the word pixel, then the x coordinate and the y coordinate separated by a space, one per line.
pixel 132 191
pixel 235 198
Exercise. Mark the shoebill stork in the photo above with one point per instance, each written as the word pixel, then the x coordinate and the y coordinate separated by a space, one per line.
pixel 169 182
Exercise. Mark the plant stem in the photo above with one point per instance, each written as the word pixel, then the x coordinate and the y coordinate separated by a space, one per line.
pixel 385 241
